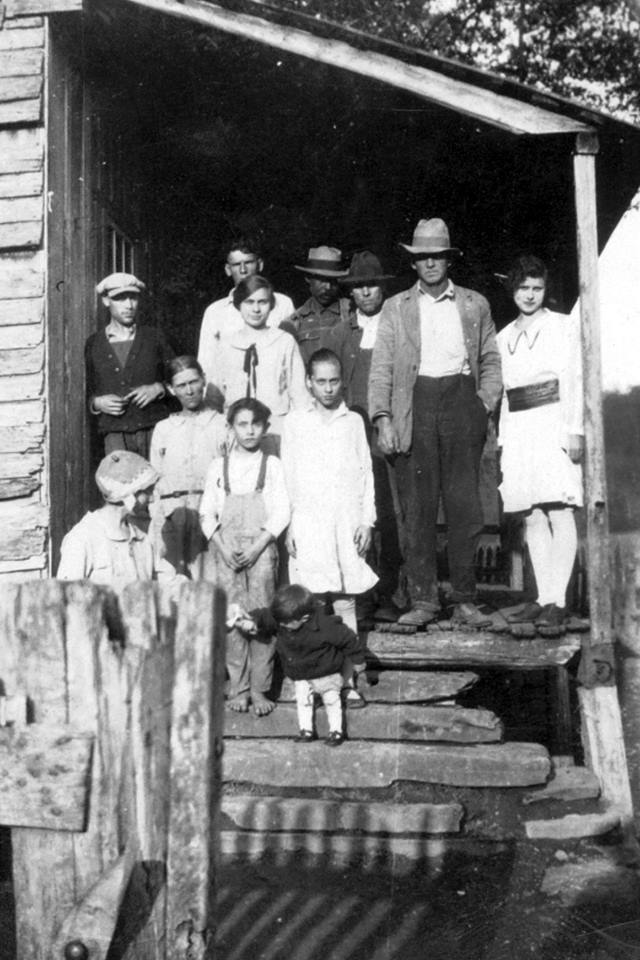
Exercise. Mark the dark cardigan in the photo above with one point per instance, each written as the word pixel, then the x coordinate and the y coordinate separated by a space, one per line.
pixel 145 364
pixel 318 648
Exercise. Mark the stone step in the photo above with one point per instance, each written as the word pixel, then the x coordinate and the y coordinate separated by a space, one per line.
pixel 466 648
pixel 567 783
pixel 573 826
pixel 403 686
pixel 397 856
pixel 284 763
pixel 379 721
pixel 248 812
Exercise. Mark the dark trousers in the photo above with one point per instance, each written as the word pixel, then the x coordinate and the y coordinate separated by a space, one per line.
pixel 449 429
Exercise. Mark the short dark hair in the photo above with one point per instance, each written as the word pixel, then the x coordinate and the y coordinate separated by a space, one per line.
pixel 249 285
pixel 292 602
pixel 184 362
pixel 260 411
pixel 526 266
pixel 243 243
pixel 323 355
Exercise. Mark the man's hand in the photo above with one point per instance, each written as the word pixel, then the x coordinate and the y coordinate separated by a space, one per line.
pixel 575 447
pixel 362 539
pixel 387 436
pixel 146 394
pixel 110 403
pixel 290 543
pixel 227 555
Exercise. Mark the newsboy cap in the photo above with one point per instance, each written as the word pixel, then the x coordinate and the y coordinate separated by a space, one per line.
pixel 117 283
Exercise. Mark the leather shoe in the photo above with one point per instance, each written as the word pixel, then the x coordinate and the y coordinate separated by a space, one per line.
pixel 527 613
pixel 419 615
pixel 468 615
pixel 551 616
pixel 306 736
pixel 335 739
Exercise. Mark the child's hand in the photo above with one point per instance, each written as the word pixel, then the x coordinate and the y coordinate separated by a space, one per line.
pixel 247 556
pixel 229 556
pixel 362 539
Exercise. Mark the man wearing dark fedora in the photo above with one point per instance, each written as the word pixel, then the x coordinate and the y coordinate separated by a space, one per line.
pixel 353 342
pixel 325 308
pixel 435 378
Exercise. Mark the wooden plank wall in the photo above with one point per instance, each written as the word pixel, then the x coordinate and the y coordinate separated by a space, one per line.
pixel 23 495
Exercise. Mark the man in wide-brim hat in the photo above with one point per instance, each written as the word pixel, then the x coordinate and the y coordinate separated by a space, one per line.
pixel 353 342
pixel 325 308
pixel 435 378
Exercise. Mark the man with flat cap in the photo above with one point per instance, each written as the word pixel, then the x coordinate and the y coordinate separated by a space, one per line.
pixel 125 369
pixel 325 308
pixel 435 378
pixel 353 342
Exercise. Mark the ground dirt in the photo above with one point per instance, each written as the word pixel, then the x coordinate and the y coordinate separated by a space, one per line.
pixel 478 901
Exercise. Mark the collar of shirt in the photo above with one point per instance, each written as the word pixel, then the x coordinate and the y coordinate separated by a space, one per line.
pixel 447 294
pixel 311 306
pixel 131 533
pixel 340 411
pixel 263 337
pixel 367 320
pixel 118 335
pixel 529 334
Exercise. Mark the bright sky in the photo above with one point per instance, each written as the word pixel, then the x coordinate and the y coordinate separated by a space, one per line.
pixel 620 304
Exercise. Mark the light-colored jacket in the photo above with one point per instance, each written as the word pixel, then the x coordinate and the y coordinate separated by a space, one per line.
pixel 396 356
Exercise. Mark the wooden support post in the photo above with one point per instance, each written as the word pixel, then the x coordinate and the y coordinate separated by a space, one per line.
pixel 600 710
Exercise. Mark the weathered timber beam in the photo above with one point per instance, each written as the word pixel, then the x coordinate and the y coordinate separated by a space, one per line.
pixel 602 732
pixel 405 686
pixel 470 649
pixel 31 8
pixel 456 95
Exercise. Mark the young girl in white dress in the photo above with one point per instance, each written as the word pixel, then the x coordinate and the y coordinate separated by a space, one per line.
pixel 541 436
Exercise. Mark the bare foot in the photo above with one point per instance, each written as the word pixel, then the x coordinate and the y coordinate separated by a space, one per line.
pixel 262 707
pixel 239 704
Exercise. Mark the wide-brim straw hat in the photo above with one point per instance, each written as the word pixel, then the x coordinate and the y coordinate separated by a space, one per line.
pixel 365 269
pixel 324 262
pixel 431 236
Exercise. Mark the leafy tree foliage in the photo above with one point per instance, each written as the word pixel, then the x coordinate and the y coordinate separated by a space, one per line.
pixel 584 49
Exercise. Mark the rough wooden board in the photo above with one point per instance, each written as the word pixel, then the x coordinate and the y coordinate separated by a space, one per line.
pixel 19 439
pixel 17 465
pixel 21 8
pixel 17 414
pixel 378 722
pixel 472 649
pixel 21 21
pixel 290 813
pixel 21 236
pixel 196 731
pixel 16 543
pixel 21 63
pixel 567 783
pixel 24 184
pixel 19 362
pixel 23 336
pixel 573 826
pixel 361 764
pixel 44 777
pixel 18 387
pixel 20 111
pixel 22 276
pixel 14 312
pixel 20 88
pixel 22 566
pixel 19 487
pixel 93 920
pixel 405 686
pixel 19 209
pixel 19 39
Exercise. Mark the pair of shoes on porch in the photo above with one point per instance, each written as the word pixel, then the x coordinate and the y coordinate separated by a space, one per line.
pixel 469 615
pixel 335 738
pixel 527 613
pixel 551 616
pixel 306 736
pixel 419 615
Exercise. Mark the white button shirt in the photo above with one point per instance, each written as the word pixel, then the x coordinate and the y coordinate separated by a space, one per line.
pixel 443 352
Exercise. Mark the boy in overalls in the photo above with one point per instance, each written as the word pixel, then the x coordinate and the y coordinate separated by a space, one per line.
pixel 244 509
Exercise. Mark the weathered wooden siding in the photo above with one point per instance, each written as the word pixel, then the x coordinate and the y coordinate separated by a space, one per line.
pixel 24 514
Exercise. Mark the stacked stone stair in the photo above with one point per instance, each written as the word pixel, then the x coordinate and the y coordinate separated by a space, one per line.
pixel 396 787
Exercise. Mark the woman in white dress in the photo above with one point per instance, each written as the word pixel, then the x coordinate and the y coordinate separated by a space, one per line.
pixel 541 436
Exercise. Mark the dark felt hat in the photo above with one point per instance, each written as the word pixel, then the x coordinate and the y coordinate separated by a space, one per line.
pixel 365 269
